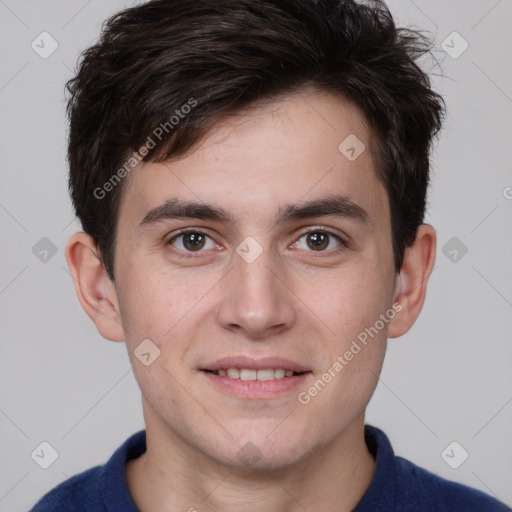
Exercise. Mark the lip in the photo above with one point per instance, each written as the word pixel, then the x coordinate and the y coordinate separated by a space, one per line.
pixel 255 364
pixel 255 389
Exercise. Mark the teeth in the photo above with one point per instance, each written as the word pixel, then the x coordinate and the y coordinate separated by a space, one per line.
pixel 248 374
pixel 234 373
pixel 251 374
pixel 265 374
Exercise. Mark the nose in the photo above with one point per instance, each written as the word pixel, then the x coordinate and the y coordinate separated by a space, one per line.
pixel 255 298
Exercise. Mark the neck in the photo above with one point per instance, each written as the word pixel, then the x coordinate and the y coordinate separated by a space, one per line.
pixel 173 476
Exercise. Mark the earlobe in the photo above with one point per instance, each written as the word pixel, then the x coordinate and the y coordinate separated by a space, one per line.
pixel 95 290
pixel 411 284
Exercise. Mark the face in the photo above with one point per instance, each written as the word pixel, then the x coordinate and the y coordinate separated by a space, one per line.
pixel 282 263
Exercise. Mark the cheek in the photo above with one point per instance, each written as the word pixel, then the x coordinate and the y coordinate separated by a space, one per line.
pixel 153 301
pixel 347 301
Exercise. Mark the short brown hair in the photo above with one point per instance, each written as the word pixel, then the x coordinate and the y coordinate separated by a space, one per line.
pixel 154 58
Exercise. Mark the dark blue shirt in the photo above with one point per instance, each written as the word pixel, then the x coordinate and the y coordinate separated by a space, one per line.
pixel 397 485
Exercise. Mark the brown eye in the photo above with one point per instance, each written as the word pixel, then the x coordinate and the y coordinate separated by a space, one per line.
pixel 191 241
pixel 317 241
pixel 320 241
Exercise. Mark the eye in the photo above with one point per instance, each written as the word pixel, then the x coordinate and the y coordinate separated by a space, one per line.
pixel 320 240
pixel 191 241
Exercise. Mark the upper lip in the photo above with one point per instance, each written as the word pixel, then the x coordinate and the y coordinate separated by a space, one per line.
pixel 256 364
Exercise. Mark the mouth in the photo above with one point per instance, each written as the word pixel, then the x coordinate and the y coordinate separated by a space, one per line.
pixel 248 374
pixel 248 378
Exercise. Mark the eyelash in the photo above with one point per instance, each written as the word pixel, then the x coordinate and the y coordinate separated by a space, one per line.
pixel 316 254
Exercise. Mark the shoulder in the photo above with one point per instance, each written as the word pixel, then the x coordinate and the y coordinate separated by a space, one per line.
pixel 431 492
pixel 101 488
pixel 402 486
pixel 80 493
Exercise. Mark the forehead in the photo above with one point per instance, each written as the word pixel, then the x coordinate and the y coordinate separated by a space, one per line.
pixel 252 164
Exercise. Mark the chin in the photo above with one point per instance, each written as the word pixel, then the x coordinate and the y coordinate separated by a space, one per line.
pixel 250 458
pixel 265 448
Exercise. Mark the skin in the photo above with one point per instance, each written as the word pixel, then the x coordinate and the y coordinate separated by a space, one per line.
pixel 293 301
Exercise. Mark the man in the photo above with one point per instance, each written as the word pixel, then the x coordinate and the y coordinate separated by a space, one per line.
pixel 251 179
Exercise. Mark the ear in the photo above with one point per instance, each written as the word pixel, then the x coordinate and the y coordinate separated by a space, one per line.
pixel 95 291
pixel 411 283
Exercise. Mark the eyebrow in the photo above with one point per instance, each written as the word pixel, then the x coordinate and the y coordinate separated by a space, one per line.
pixel 339 206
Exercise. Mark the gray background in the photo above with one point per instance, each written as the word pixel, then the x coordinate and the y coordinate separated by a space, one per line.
pixel 448 379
